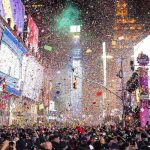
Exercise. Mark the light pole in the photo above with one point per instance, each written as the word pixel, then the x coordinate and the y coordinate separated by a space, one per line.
pixel 104 57
pixel 104 74
pixel 121 75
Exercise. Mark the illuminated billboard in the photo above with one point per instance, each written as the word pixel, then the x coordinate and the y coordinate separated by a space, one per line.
pixel 33 34
pixel 13 9
pixel 32 75
pixel 2 14
pixel 18 12
pixel 11 54
pixel 8 11
pixel 142 46
pixel 75 28
pixel 1 29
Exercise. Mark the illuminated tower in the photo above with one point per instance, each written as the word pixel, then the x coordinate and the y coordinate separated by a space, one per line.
pixel 126 30
pixel 126 33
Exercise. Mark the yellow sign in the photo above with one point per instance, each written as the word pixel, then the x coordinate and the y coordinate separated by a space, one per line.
pixel 8 11
pixel 41 106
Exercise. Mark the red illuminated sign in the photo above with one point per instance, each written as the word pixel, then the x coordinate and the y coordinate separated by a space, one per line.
pixel 33 33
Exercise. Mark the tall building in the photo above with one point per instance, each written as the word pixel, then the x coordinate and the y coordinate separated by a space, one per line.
pixel 126 29
pixel 126 33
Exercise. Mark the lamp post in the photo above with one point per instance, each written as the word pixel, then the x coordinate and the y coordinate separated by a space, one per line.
pixel 122 92
pixel 120 74
pixel 104 75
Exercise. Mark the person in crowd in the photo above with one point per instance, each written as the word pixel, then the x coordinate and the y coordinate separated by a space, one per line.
pixel 46 146
pixel 56 142
pixel 91 138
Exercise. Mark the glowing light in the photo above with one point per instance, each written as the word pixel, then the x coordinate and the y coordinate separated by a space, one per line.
pixel 108 57
pixel 88 51
pixel 58 72
pixel 76 37
pixel 142 46
pixel 8 11
pixel 75 29
pixel 104 62
pixel 48 48
pixel 69 17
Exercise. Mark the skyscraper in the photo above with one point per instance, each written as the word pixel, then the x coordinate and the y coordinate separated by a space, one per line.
pixel 126 33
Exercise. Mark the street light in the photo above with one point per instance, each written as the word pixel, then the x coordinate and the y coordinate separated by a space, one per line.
pixel 108 56
pixel 120 74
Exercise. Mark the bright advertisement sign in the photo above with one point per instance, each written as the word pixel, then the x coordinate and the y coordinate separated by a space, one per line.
pixel 142 47
pixel 141 59
pixel 8 11
pixel 1 29
pixel 32 74
pixel 143 80
pixel 144 113
pixel 2 14
pixel 18 12
pixel 33 33
pixel 11 53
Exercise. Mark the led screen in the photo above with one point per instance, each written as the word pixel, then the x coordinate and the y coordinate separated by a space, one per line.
pixel 143 46
pixel 18 13
pixel 32 74
pixel 2 10
pixel 11 53
pixel 8 11
pixel 32 33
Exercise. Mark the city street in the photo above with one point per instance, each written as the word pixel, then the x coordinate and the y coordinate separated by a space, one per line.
pixel 74 75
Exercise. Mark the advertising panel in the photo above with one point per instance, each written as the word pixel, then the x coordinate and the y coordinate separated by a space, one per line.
pixel 2 10
pixel 144 113
pixel 1 29
pixel 11 53
pixel 142 47
pixel 18 13
pixel 143 80
pixel 141 59
pixel 8 11
pixel 33 33
pixel 33 78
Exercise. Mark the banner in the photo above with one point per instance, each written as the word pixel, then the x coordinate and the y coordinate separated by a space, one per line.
pixel 18 12
pixel 1 29
pixel 143 80
pixel 15 46
pixel 8 11
pixel 33 34
pixel 2 14
pixel 144 113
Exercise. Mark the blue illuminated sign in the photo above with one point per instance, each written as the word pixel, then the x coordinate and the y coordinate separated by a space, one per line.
pixel 15 46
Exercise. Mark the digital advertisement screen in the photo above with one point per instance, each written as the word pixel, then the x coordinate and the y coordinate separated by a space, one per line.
pixel 33 33
pixel 18 12
pixel 2 14
pixel 33 73
pixel 1 29
pixel 8 11
pixel 11 54
pixel 142 46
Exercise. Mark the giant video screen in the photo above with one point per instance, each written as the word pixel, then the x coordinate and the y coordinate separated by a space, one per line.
pixel 8 11
pixel 33 33
pixel 2 14
pixel 18 13
pixel 11 54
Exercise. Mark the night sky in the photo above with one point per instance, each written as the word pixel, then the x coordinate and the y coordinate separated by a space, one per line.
pixel 97 18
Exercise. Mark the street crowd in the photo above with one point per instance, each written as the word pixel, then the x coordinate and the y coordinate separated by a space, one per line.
pixel 78 138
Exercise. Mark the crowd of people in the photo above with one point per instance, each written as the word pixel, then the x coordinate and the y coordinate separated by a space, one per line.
pixel 78 138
